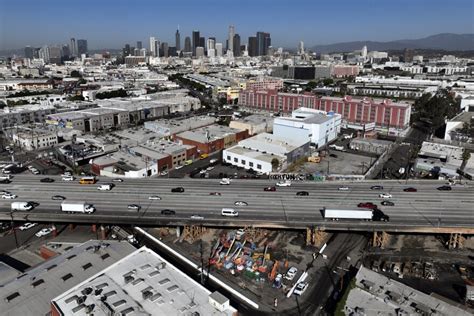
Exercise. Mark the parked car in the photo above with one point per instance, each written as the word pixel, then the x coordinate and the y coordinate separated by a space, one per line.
pixel 241 203
pixel 387 203
pixel 302 193
pixel 367 205
pixel 344 188
pixel 168 212
pixel 291 273
pixel 300 288
pixel 58 197
pixel 47 180
pixel 154 197
pixel 410 190
pixel 210 168
pixel 444 188
pixel 385 195
pixel 376 187
pixel 27 226
pixel 269 189
pixel 163 173
pixel 215 193
pixel 5 181
pixel 177 190
pixel 44 232
pixel 197 217
pixel 333 155
pixel 213 161
pixel 134 207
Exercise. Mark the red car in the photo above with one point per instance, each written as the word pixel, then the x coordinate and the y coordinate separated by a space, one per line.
pixel 410 190
pixel 269 189
pixel 367 205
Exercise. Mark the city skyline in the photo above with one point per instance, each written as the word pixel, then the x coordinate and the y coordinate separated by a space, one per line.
pixel 309 22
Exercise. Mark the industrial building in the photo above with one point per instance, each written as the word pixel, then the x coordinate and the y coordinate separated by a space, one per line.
pixel 258 152
pixel 376 294
pixel 254 124
pixel 31 292
pixel 316 126
pixel 211 138
pixel 171 127
pixel 32 137
pixel 141 283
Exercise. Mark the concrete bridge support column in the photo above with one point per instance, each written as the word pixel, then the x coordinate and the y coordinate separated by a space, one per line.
pixel 103 232
pixel 315 236
pixel 72 226
pixel 94 228
pixel 456 240
pixel 380 239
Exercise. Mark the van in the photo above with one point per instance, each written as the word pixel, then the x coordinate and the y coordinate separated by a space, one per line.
pixel 229 212
pixel 21 206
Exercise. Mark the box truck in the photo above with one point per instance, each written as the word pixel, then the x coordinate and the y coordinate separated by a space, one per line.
pixel 77 207
pixel 358 213
pixel 21 206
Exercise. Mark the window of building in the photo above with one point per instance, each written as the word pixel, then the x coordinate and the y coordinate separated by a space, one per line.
pixel 236 160
pixel 250 164
pixel 243 162
pixel 228 157
pixel 259 167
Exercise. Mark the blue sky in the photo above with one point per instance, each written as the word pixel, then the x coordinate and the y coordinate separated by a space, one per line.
pixel 112 23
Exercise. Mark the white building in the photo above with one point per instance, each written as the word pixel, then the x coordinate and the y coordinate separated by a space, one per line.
pixel 33 137
pixel 309 124
pixel 258 152
pixel 219 49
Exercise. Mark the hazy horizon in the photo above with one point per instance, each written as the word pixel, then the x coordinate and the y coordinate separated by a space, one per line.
pixel 107 25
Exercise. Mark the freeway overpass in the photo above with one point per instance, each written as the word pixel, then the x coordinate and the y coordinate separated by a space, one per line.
pixel 425 211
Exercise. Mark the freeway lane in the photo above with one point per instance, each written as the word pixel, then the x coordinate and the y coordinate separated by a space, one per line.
pixel 425 210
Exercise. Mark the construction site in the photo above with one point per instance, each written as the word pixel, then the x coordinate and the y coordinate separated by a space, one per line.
pixel 267 265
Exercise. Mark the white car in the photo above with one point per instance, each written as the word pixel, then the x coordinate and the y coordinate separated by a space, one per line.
pixel 385 195
pixel 44 232
pixel 9 196
pixel 163 173
pixel 178 167
pixel 197 217
pixel 283 184
pixel 225 181
pixel 300 288
pixel 203 171
pixel 291 273
pixel 344 188
pixel 154 197
pixel 27 226
pixel 68 178
pixel 213 161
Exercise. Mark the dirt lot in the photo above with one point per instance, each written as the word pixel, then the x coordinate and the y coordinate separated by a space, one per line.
pixel 340 163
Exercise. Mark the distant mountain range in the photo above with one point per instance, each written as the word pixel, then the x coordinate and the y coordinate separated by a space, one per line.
pixel 445 41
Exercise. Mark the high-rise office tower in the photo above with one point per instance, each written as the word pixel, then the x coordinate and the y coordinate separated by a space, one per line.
pixel 153 46
pixel 29 52
pixel 177 39
pixel 301 48
pixel 263 42
pixel 65 52
pixel 139 45
pixel 44 53
pixel 252 46
pixel 73 47
pixel 236 45
pixel 202 42
pixel 196 37
pixel 164 49
pixel 211 52
pixel 126 50
pixel 211 43
pixel 81 47
pixel 187 45
pixel 230 40
pixel 218 49
pixel 199 51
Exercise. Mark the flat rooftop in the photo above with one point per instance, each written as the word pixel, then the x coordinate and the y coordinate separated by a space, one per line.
pixel 143 283
pixel 253 154
pixel 464 117
pixel 31 292
pixel 257 119
pixel 377 294
pixel 214 132
pixel 269 143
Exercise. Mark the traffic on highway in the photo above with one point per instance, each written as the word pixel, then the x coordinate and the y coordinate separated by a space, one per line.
pixel 262 202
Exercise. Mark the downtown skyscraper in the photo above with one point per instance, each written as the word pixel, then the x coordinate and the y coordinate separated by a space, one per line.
pixel 195 41
pixel 230 39
pixel 177 40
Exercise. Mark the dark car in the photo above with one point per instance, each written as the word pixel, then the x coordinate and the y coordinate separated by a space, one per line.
pixel 302 193
pixel 58 197
pixel 168 212
pixel 410 190
pixel 215 193
pixel 376 187
pixel 5 181
pixel 47 180
pixel 387 203
pixel 378 215
pixel 445 188
pixel 177 189
pixel 269 189
pixel 367 205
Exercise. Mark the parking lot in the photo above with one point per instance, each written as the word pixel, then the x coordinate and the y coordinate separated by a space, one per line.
pixel 338 162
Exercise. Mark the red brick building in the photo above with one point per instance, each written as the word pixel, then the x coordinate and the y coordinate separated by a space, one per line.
pixel 381 112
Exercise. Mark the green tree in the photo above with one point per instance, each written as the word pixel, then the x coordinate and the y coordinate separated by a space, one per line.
pixel 275 164
pixel 328 82
pixel 311 85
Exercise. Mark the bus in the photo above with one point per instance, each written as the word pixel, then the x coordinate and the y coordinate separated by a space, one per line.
pixel 87 180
